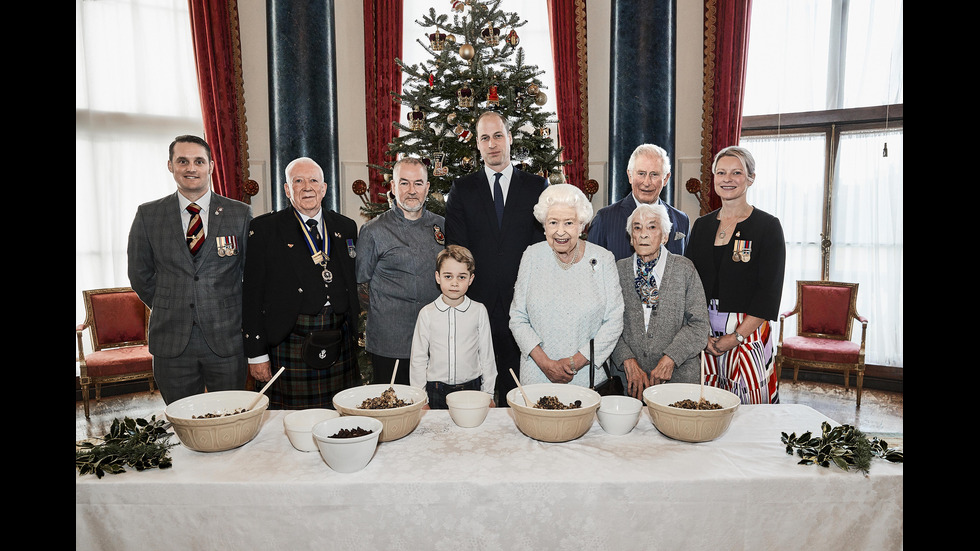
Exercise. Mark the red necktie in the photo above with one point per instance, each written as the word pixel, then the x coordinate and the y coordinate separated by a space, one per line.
pixel 195 229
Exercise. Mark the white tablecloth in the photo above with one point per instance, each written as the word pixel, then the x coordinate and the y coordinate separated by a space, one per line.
pixel 491 487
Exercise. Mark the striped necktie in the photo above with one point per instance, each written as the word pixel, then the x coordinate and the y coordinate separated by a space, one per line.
pixel 195 229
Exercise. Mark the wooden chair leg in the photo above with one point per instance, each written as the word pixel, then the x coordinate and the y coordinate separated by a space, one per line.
pixel 796 372
pixel 847 379
pixel 85 399
pixel 860 384
pixel 98 391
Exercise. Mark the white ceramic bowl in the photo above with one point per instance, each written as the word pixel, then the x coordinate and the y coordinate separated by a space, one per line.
pixel 468 408
pixel 690 425
pixel 347 455
pixel 554 425
pixel 398 422
pixel 618 414
pixel 299 426
pixel 216 434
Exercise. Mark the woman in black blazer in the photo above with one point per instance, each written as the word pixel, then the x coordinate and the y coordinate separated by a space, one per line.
pixel 740 254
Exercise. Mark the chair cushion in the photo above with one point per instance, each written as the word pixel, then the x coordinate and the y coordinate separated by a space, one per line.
pixel 119 361
pixel 824 309
pixel 119 317
pixel 821 350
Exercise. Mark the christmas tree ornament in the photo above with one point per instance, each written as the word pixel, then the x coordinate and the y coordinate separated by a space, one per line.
pixel 462 133
pixel 451 118
pixel 541 98
pixel 519 99
pixel 491 35
pixel 467 52
pixel 493 100
pixel 556 178
pixel 416 118
pixel 432 80
pixel 465 96
pixel 439 158
pixel 437 41
pixel 513 39
pixel 458 5
pixel 532 89
pixel 451 39
pixel 544 132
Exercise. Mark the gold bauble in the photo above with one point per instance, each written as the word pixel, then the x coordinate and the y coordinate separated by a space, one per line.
pixel 532 89
pixel 556 178
pixel 541 98
pixel 451 39
pixel 467 52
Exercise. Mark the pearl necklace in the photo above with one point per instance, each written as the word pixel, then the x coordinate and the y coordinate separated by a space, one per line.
pixel 566 265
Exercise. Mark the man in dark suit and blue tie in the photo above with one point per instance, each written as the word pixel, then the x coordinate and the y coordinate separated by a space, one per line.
pixel 648 171
pixel 490 213
pixel 186 259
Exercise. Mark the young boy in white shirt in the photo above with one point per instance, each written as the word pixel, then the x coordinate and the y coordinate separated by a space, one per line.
pixel 452 348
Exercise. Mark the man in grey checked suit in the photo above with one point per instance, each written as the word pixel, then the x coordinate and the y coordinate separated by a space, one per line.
pixel 192 283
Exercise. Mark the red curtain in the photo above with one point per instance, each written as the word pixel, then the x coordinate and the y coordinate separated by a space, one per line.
pixel 567 19
pixel 726 47
pixel 382 44
pixel 217 51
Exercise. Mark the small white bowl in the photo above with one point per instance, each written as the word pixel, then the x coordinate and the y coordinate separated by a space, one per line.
pixel 468 408
pixel 299 427
pixel 619 414
pixel 347 455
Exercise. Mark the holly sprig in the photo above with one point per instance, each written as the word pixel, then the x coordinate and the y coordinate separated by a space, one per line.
pixel 843 445
pixel 139 443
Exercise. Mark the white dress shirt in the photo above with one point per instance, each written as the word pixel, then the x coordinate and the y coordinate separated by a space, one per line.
pixel 452 345
pixel 505 176
pixel 204 202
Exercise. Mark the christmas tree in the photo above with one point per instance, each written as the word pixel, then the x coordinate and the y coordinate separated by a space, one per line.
pixel 476 65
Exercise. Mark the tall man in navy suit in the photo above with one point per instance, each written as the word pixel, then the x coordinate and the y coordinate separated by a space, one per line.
pixel 648 171
pixel 490 213
pixel 186 258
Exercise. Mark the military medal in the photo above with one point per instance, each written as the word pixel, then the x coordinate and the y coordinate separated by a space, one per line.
pixel 320 257
pixel 351 250
pixel 227 246
pixel 742 251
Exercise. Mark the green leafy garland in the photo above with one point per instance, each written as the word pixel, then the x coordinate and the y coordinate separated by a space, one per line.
pixel 844 446
pixel 139 443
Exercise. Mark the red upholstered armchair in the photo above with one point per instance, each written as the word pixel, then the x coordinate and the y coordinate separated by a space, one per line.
pixel 826 311
pixel 117 321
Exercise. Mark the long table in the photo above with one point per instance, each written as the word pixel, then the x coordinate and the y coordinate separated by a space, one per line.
pixel 492 487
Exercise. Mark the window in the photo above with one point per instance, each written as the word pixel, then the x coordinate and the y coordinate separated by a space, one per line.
pixel 135 90
pixel 823 118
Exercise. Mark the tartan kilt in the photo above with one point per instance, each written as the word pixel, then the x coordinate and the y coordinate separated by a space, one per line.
pixel 302 387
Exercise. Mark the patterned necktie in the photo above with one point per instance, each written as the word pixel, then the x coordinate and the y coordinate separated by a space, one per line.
pixel 645 283
pixel 315 233
pixel 498 199
pixel 195 229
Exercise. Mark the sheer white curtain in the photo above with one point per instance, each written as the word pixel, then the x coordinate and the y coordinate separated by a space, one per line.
pixel 868 235
pixel 135 90
pixel 789 184
pixel 813 55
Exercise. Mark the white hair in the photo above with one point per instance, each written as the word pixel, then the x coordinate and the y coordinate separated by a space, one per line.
pixel 650 150
pixel 657 211
pixel 563 195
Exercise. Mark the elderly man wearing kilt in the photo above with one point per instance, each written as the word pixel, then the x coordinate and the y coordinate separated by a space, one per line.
pixel 300 304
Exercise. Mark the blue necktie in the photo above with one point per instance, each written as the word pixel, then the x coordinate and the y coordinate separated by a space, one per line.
pixel 498 199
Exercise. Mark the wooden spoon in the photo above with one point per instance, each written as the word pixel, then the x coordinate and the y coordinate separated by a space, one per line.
pixel 394 371
pixel 702 380
pixel 267 385
pixel 518 381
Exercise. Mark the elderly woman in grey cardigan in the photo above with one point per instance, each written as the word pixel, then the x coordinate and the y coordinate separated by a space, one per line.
pixel 665 323
pixel 566 295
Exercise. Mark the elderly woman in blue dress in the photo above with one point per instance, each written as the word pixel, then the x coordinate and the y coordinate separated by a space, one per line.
pixel 665 324
pixel 567 294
